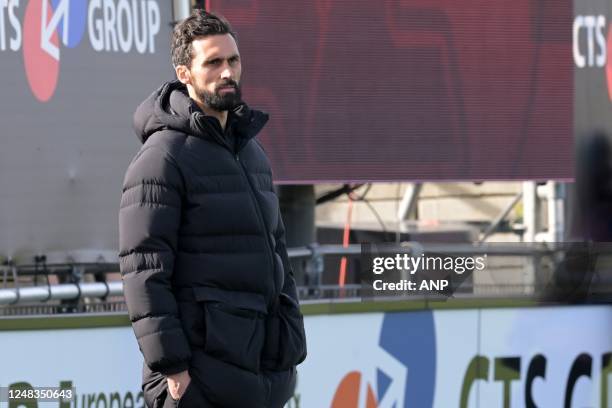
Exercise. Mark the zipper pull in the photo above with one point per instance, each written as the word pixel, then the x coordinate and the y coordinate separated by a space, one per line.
pixel 237 157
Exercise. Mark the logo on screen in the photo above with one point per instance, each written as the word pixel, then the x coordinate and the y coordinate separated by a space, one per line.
pixel 404 375
pixel 112 26
pixel 591 47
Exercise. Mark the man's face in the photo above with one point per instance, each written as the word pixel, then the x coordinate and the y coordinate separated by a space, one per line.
pixel 215 72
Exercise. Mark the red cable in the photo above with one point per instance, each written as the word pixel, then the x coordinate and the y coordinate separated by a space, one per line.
pixel 345 242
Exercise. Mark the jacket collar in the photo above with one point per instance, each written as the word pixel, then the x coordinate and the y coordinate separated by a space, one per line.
pixel 170 107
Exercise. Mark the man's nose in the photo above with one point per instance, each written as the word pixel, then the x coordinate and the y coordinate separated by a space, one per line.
pixel 226 72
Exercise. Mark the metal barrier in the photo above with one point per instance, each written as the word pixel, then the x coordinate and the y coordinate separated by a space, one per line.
pixel 77 295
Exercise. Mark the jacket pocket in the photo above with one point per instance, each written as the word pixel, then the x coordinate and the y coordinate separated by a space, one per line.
pixel 285 345
pixel 234 326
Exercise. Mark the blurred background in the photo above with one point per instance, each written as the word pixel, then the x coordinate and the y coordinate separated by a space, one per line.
pixel 454 129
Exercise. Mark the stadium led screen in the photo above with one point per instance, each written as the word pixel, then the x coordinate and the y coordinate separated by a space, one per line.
pixel 71 75
pixel 410 90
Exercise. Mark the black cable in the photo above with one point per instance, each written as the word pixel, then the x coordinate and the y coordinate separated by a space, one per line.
pixel 380 221
pixel 43 260
pixel 363 196
pixel 332 195
pixel 349 190
pixel 107 289
pixel 371 207
pixel 36 260
pixel 76 281
pixel 78 286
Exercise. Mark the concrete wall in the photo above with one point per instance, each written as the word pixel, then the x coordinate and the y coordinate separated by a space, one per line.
pixel 438 202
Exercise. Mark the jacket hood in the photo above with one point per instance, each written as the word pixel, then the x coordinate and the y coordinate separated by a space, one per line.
pixel 170 107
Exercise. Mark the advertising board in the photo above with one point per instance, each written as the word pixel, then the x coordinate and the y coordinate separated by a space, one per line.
pixel 514 357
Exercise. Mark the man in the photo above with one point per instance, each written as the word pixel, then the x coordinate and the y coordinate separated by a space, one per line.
pixel 207 279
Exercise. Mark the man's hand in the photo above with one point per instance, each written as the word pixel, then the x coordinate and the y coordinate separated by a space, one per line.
pixel 177 384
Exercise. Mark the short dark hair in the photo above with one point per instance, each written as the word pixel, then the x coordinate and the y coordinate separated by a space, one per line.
pixel 199 24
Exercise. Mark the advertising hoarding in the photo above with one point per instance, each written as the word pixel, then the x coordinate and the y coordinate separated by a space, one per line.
pixel 515 357
pixel 72 74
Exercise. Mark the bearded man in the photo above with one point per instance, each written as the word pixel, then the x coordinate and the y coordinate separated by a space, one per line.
pixel 207 280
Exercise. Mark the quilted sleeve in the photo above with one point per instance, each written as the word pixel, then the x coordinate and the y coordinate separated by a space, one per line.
pixel 149 220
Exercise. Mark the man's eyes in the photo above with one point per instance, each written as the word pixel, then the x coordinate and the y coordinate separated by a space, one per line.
pixel 219 61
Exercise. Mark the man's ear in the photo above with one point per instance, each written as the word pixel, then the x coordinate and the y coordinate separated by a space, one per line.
pixel 183 74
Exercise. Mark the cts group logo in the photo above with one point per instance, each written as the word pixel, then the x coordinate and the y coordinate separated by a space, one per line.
pixel 47 26
pixel 592 45
pixel 404 373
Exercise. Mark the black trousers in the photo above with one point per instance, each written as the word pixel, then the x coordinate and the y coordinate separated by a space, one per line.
pixel 156 395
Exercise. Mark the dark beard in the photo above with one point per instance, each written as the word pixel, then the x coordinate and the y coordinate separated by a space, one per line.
pixel 225 102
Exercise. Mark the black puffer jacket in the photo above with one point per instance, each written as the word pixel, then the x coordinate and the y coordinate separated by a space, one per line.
pixel 206 275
